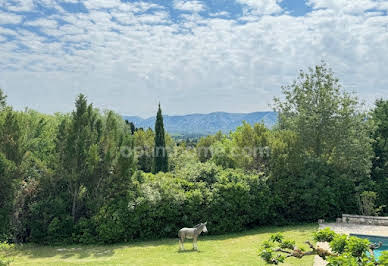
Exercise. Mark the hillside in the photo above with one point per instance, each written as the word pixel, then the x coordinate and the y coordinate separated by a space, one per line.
pixel 205 123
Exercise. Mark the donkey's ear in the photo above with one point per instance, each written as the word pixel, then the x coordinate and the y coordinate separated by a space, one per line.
pixel 205 222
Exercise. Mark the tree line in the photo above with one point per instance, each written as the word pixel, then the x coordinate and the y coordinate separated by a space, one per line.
pixel 89 176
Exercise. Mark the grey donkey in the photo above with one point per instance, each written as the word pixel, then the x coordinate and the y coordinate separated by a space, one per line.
pixel 191 233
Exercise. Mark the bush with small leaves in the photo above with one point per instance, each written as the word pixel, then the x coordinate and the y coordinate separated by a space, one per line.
pixel 266 255
pixel 383 260
pixel 357 246
pixel 267 244
pixel 288 244
pixel 5 248
pixel 346 259
pixel 338 243
pixel 349 251
pixel 278 237
pixel 324 235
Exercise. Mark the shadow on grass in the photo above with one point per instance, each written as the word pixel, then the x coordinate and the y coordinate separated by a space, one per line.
pixel 78 252
pixel 85 251
pixel 188 251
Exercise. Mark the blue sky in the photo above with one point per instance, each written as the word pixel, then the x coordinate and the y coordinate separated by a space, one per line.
pixel 194 56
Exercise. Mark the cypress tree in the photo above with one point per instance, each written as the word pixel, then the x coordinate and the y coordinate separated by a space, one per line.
pixel 160 162
pixel 3 98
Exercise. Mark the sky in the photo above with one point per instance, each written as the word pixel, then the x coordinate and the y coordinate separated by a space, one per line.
pixel 192 56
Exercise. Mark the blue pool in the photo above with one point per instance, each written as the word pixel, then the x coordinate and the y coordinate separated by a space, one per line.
pixel 376 239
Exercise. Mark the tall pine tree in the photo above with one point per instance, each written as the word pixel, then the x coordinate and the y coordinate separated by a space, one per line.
pixel 160 162
pixel 3 98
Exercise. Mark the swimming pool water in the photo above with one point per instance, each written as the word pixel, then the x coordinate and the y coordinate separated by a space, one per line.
pixel 376 239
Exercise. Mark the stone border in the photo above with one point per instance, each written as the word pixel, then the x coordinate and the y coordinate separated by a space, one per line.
pixel 359 219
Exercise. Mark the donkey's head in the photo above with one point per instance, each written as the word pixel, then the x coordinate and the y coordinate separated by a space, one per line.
pixel 204 229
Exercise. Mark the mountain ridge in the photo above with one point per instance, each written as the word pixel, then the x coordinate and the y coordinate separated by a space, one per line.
pixel 205 124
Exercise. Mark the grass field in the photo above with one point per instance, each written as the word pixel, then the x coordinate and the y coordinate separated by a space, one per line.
pixel 231 249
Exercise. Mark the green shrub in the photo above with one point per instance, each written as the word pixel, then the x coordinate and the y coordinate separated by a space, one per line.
pixel 339 243
pixel 357 246
pixel 287 244
pixel 383 260
pixel 346 259
pixel 110 224
pixel 278 237
pixel 267 256
pixel 159 205
pixel 324 235
pixel 5 259
pixel 84 231
pixel 367 204
pixel 267 244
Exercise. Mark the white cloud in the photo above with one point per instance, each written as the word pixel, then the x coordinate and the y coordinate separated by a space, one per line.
pixel 220 14
pixel 7 31
pixel 354 6
pixel 262 6
pixel 189 5
pixel 18 5
pixel 98 4
pixel 10 18
pixel 44 23
pixel 133 54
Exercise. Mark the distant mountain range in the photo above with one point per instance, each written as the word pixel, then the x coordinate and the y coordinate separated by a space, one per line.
pixel 204 124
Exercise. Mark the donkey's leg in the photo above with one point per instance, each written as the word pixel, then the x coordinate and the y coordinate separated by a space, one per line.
pixel 181 242
pixel 195 247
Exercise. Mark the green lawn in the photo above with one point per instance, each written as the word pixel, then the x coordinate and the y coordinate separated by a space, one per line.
pixel 231 249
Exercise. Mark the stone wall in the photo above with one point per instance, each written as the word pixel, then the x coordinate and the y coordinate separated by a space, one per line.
pixel 359 219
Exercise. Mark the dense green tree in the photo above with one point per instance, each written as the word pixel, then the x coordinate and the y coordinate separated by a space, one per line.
pixel 252 146
pixel 78 152
pixel 11 155
pixel 160 162
pixel 331 150
pixel 328 120
pixel 131 125
pixel 7 177
pixel 380 146
pixel 203 147
pixel 11 136
pixel 144 146
pixel 3 99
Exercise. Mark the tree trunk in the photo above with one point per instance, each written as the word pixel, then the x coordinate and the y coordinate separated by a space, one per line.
pixel 73 209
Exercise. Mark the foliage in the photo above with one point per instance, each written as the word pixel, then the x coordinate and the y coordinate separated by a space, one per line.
pixel 328 120
pixel 367 204
pixel 203 147
pixel 160 162
pixel 85 177
pixel 3 99
pixel 357 247
pixel 273 250
pixel 158 205
pixel 383 260
pixel 380 147
pixel 327 148
pixel 338 243
pixel 144 146
pixel 324 235
pixel 278 237
pixel 345 259
pixel 5 259
pixel 287 244
pixel 345 250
